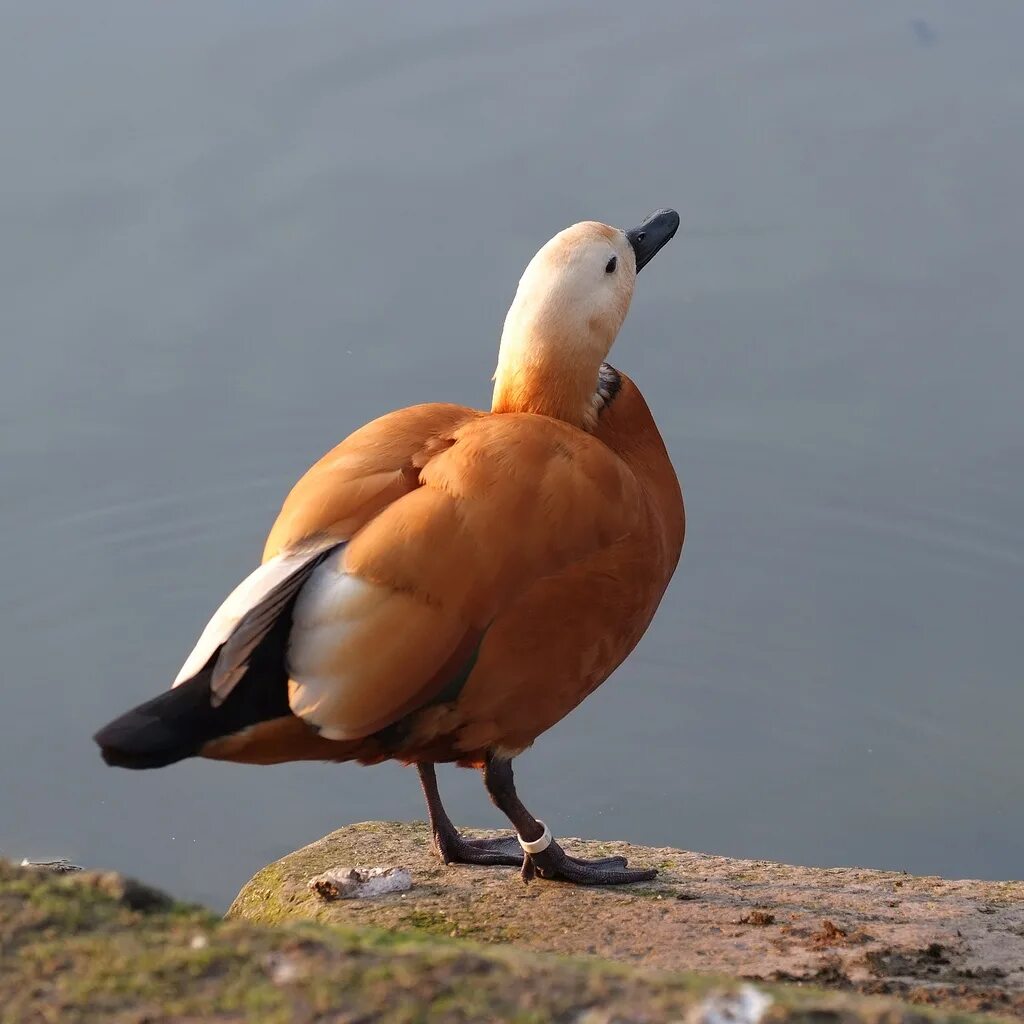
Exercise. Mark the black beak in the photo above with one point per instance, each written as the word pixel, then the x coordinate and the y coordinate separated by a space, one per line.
pixel 648 238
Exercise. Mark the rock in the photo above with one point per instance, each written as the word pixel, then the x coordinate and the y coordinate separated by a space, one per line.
pixel 75 949
pixel 934 941
pixel 359 883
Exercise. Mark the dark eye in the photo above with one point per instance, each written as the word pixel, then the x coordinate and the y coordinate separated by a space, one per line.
pixel 609 267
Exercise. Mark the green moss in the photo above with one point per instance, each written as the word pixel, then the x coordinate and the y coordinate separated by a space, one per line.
pixel 429 921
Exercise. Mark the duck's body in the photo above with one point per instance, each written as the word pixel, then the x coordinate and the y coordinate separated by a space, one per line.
pixel 447 584
pixel 540 549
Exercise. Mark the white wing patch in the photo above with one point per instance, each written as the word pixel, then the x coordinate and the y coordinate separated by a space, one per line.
pixel 359 652
pixel 245 598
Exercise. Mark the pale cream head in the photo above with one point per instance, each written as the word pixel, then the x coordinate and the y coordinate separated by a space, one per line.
pixel 571 302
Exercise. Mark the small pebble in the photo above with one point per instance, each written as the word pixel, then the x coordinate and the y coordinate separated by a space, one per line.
pixel 284 969
pixel 747 1006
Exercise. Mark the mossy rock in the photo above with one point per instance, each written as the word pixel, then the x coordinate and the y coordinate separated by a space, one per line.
pixel 99 948
pixel 930 940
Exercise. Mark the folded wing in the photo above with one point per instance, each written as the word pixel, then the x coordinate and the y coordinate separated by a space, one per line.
pixel 398 549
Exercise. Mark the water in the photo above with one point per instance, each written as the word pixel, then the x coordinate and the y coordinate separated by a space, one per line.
pixel 235 232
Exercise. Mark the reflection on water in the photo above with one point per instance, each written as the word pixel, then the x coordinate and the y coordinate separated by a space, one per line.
pixel 233 236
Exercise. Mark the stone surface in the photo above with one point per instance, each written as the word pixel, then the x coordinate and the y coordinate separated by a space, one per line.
pixel 96 948
pixel 927 939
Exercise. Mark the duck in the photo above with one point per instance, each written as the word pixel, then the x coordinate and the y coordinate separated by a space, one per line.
pixel 448 583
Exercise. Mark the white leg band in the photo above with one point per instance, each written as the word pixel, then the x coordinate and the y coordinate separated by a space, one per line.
pixel 538 845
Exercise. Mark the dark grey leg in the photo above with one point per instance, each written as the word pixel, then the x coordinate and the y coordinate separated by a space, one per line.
pixel 454 848
pixel 554 862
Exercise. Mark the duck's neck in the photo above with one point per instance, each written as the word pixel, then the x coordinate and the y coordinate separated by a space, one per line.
pixel 549 381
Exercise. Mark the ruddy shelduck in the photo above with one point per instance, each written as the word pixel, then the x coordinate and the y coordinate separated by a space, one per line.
pixel 446 584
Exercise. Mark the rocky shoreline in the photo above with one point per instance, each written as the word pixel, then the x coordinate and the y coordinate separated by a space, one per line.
pixel 930 940
pixel 712 941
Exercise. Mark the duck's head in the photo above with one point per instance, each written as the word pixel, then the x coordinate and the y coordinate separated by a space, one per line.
pixel 568 309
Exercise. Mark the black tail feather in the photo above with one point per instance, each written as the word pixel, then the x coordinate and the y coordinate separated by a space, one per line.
pixel 177 723
pixel 165 729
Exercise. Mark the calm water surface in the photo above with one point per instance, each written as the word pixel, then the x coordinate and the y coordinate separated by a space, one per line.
pixel 234 232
